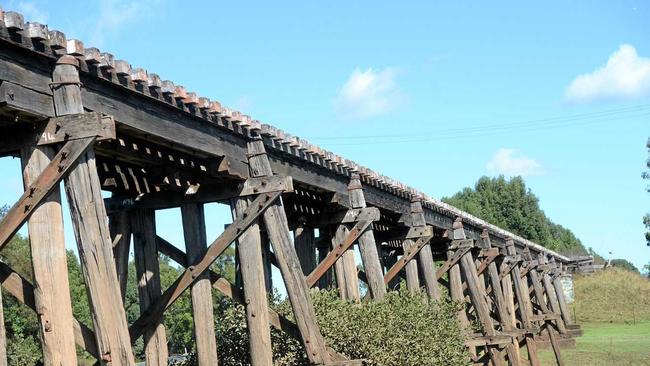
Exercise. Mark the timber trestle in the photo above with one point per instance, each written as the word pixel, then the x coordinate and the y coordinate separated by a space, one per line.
pixel 78 117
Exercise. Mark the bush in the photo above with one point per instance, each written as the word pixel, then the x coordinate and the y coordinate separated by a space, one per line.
pixel 403 330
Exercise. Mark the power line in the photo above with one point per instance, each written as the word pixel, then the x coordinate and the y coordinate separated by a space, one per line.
pixel 494 129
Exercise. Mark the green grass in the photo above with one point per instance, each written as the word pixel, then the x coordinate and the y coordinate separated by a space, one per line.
pixel 605 344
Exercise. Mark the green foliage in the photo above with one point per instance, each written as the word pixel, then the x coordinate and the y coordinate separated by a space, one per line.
pixel 402 330
pixel 624 264
pixel 646 175
pixel 512 206
pixel 614 295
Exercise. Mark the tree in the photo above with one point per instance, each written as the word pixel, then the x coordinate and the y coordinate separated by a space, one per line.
pixel 624 264
pixel 511 205
pixel 646 175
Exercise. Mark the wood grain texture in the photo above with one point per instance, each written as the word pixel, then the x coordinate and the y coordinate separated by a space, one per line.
pixel 49 264
pixel 411 269
pixel 249 254
pixel 275 221
pixel 148 281
pixel 90 225
pixel 201 291
pixel 367 245
pixel 120 228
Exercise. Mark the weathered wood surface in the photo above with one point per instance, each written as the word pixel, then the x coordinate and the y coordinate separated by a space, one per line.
pixel 154 313
pixel 49 264
pixel 3 335
pixel 120 228
pixel 201 291
pixel 83 190
pixel 411 269
pixel 275 221
pixel 305 244
pixel 251 268
pixel 148 280
pixel 367 244
pixel 23 291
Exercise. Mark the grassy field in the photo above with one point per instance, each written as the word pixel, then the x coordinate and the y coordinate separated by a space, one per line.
pixel 607 345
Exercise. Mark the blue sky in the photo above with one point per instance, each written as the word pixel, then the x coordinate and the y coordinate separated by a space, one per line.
pixel 557 91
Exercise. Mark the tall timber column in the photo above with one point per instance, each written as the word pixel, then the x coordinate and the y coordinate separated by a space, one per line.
pixel 523 300
pixel 120 228
pixel 83 190
pixel 275 221
pixel 251 267
pixel 411 269
pixel 559 292
pixel 427 265
pixel 305 243
pixel 148 280
pixel 367 244
pixel 505 318
pixel 201 291
pixel 477 296
pixel 345 268
pixel 49 263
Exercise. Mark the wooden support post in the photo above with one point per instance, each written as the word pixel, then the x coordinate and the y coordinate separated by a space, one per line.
pixel 559 292
pixel 412 278
pixel 201 291
pixel 324 240
pixel 505 318
pixel 303 240
pixel 339 266
pixel 349 266
pixel 552 298
pixel 148 279
pixel 3 335
pixel 120 228
pixel 49 263
pixel 249 252
pixel 275 220
pixel 455 281
pixel 477 297
pixel 425 256
pixel 367 244
pixel 91 231
pixel 525 309
pixel 267 262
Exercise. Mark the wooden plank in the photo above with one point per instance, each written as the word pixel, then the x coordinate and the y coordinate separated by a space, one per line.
pixel 91 231
pixel 349 267
pixel 120 228
pixel 183 282
pixel 77 126
pixel 148 279
pixel 201 291
pixel 349 216
pixel 251 269
pixel 23 291
pixel 49 262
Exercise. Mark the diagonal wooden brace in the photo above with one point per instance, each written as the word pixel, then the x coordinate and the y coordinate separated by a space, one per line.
pixel 277 321
pixel 410 254
pixel 23 291
pixel 154 313
pixel 453 260
pixel 322 268
pixel 49 179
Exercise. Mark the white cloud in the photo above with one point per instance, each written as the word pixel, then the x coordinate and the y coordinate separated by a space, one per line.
pixel 506 162
pixel 368 94
pixel 625 76
pixel 30 11
pixel 115 14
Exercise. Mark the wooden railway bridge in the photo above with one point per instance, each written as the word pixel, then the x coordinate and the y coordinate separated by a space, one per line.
pixel 77 115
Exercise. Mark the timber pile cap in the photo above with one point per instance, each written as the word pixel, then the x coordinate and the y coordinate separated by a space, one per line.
pixel 54 43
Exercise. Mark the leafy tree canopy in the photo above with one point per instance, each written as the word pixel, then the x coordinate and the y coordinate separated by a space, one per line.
pixel 511 205
pixel 624 264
